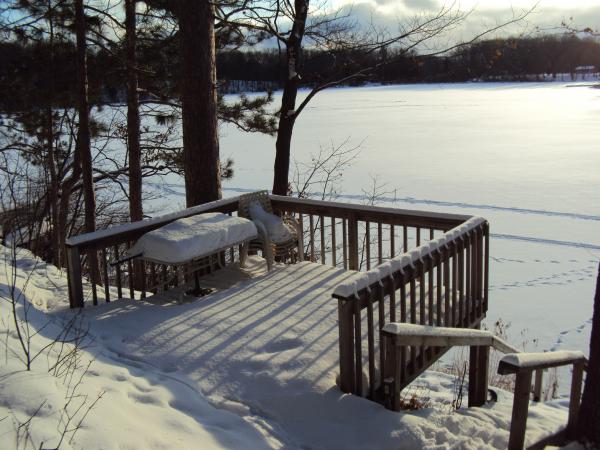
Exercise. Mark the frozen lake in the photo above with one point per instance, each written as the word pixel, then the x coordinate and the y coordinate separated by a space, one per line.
pixel 525 156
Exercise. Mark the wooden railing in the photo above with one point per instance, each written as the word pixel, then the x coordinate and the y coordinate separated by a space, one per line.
pixel 523 365
pixel 397 337
pixel 344 235
pixel 359 237
pixel 443 282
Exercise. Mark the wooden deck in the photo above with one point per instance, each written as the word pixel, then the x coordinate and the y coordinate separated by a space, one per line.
pixel 444 282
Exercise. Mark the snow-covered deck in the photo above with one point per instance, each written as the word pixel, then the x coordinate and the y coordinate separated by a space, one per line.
pixel 266 349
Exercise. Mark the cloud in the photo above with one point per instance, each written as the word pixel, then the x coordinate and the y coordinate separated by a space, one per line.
pixel 421 5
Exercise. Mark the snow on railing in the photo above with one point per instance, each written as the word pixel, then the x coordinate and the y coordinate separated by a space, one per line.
pixel 443 282
pixel 364 280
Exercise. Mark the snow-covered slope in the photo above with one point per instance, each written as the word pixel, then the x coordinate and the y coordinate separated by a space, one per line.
pixel 249 367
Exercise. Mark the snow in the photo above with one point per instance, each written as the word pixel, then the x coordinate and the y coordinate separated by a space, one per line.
pixel 525 360
pixel 409 329
pixel 522 155
pixel 253 366
pixel 191 237
pixel 363 280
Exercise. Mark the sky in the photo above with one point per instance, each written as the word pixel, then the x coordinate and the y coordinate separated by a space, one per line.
pixel 548 15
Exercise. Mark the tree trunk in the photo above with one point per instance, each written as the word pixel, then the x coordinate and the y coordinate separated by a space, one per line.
pixel 83 132
pixel 133 115
pixel 588 427
pixel 199 102
pixel 287 114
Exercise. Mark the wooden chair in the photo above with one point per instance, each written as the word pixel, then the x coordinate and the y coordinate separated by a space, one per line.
pixel 291 250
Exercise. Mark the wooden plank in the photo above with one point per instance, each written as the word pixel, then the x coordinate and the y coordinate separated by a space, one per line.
pixel 468 268
pixel 478 375
pixel 344 244
pixel 431 291
pixel 130 279
pixel 447 287
pixel 390 374
pixel 379 243
pixel 311 221
pixel 575 399
pixel 538 385
pixel 322 229
pixel 357 350
pixel 93 256
pixel 381 323
pixel 368 243
pixel 353 243
pixel 118 272
pixel 397 216
pixel 106 280
pixel 74 277
pixel 438 274
pixel 392 241
pixel 371 347
pixel 520 409
pixel 333 243
pixel 486 269
pixel 455 315
pixel 346 346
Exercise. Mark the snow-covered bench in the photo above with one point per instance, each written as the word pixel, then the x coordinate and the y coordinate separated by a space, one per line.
pixel 193 238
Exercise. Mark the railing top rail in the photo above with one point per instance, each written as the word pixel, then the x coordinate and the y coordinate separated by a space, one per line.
pixel 361 281
pixel 520 362
pixel 408 217
pixel 413 334
pixel 132 230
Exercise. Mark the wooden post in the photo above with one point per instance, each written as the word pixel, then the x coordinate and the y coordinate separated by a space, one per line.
pixel 346 341
pixel 353 243
pixel 478 375
pixel 391 374
pixel 575 399
pixel 520 410
pixel 538 385
pixel 74 277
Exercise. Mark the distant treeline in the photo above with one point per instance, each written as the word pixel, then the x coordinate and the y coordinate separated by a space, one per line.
pixel 24 68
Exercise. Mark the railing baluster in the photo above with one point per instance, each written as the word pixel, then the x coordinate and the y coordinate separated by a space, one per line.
pixel 118 273
pixel 371 346
pixel 392 242
pixel 468 267
pixel 106 280
pixel 94 255
pixel 431 292
pixel 322 227
pixel 344 244
pixel 357 347
pixel 438 273
pixel 486 273
pixel 418 236
pixel 143 280
pixel 381 314
pixel 312 237
pixel 130 277
pixel 447 286
pixel 368 243
pixel 461 285
pixel 333 243
pixel 405 238
pixel 454 287
pixel 379 243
